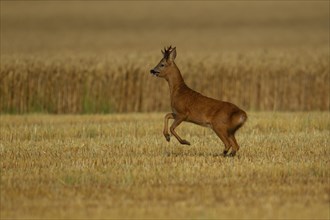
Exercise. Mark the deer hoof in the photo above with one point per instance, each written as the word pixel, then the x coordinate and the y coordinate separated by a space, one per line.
pixel 167 137
pixel 232 154
pixel 185 142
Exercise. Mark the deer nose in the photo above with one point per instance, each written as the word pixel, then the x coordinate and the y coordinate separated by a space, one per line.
pixel 152 71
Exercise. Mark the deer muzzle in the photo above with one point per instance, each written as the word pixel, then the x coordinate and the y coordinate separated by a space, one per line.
pixel 154 72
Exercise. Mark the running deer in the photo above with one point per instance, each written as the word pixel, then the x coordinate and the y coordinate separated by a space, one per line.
pixel 188 105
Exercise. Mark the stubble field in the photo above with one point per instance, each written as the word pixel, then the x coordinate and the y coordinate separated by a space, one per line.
pixel 120 166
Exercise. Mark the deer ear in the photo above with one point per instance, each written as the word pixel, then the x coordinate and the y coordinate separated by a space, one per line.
pixel 172 54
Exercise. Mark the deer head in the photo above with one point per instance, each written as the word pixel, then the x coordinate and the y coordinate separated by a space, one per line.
pixel 166 63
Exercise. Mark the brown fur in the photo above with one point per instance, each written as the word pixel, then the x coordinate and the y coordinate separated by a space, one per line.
pixel 188 105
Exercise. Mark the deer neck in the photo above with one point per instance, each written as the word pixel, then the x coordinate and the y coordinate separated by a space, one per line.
pixel 175 80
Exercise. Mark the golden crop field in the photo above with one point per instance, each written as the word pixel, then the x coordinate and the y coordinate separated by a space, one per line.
pixel 120 166
pixel 84 57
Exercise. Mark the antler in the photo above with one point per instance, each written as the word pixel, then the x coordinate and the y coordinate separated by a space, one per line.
pixel 167 51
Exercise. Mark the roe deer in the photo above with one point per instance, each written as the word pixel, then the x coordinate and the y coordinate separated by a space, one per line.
pixel 188 105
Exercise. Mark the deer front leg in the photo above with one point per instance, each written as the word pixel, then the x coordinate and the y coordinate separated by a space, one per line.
pixel 177 121
pixel 165 131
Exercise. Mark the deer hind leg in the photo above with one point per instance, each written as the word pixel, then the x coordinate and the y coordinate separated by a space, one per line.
pixel 165 131
pixel 238 121
pixel 223 135
pixel 177 121
pixel 234 144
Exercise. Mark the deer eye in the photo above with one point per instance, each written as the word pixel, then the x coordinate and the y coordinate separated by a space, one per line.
pixel 162 65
